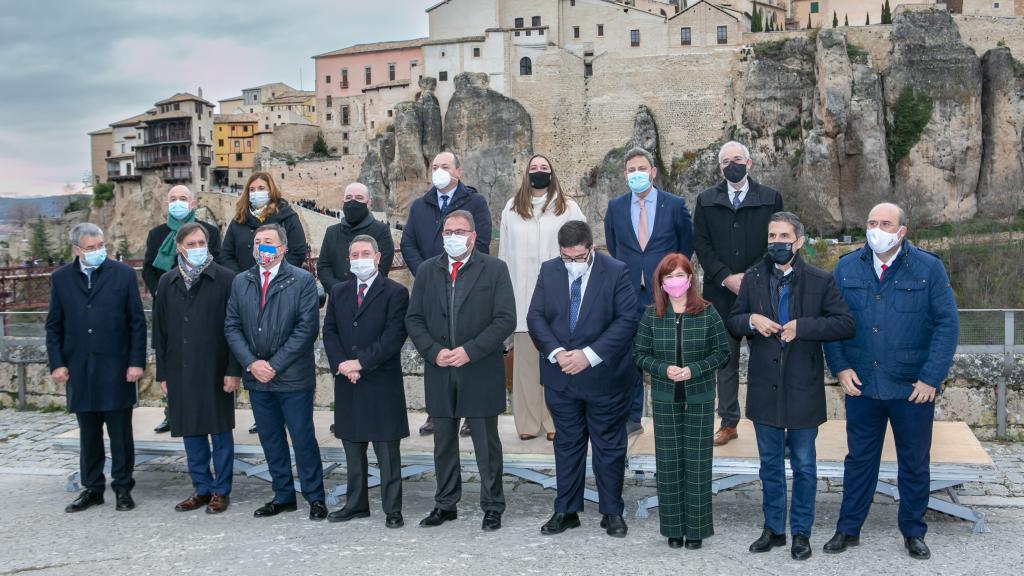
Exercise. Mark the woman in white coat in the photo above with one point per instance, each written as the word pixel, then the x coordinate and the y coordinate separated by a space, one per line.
pixel 529 237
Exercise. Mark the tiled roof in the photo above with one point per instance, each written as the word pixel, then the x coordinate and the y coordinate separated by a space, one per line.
pixel 375 47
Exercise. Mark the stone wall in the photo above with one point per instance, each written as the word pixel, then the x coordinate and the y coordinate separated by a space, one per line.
pixel 320 179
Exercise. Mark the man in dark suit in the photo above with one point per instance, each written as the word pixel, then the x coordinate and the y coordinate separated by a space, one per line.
pixel 364 332
pixel 640 228
pixel 461 311
pixel 582 318
pixel 421 237
pixel 96 345
pixel 787 308
pixel 160 248
pixel 730 224
pixel 332 267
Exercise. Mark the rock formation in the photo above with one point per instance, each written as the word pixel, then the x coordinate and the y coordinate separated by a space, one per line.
pixel 1001 183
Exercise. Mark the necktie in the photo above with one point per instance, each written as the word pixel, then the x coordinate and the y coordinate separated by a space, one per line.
pixel 444 204
pixel 266 283
pixel 574 302
pixel 882 275
pixel 736 200
pixel 642 235
pixel 784 304
pixel 362 292
pixel 455 270
pixel 88 275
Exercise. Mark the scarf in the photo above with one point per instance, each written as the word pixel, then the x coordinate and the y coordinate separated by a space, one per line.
pixel 165 255
pixel 190 274
pixel 257 213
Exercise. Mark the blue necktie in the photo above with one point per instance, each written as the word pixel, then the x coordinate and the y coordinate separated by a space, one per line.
pixel 574 302
pixel 88 275
pixel 784 304
pixel 736 201
pixel 444 204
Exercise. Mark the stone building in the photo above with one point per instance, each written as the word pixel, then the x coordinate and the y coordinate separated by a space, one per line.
pixel 174 141
pixel 859 12
pixel 302 102
pixel 101 146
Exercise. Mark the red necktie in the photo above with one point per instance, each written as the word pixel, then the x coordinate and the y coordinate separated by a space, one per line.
pixel 362 292
pixel 882 275
pixel 266 283
pixel 455 270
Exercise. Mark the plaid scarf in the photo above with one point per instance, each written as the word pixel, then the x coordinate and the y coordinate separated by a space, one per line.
pixel 190 274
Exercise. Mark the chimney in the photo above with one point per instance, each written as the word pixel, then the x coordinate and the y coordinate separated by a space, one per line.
pixel 200 92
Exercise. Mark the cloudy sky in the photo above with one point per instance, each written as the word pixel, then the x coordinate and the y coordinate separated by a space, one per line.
pixel 68 67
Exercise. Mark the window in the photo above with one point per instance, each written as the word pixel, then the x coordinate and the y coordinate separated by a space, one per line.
pixel 476 52
pixel 328 116
pixel 344 136
pixel 345 116
pixel 390 113
pixel 519 23
pixel 442 76
pixel 414 63
pixel 177 106
pixel 372 123
pixel 344 77
pixel 814 7
pixel 600 29
pixel 684 37
pixel 572 2
pixel 240 174
pixel 723 35
pixel 329 101
pixel 535 21
pixel 108 151
pixel 220 142
pixel 575 31
pixel 995 5
pixel 328 79
pixel 369 75
pixel 391 71
pixel 588 69
pixel 238 144
pixel 238 157
pixel 634 37
pixel 344 150
pixel 525 67
pixel 540 32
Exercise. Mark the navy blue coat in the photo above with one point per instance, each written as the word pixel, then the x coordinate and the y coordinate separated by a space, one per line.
pixel 607 322
pixel 907 324
pixel 372 409
pixel 673 232
pixel 421 237
pixel 96 334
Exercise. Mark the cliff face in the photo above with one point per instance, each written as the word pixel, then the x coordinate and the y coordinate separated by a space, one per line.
pixel 1001 180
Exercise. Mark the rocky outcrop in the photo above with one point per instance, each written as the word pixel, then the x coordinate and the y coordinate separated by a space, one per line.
pixel 864 170
pixel 492 135
pixel 937 180
pixel 1001 183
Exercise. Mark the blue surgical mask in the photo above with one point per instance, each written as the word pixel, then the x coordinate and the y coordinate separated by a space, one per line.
pixel 259 198
pixel 178 209
pixel 639 181
pixel 197 256
pixel 94 258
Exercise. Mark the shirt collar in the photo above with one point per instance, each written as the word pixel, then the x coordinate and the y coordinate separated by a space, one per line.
pixel 741 190
pixel 273 271
pixel 651 194
pixel 368 281
pixel 878 261
pixel 452 261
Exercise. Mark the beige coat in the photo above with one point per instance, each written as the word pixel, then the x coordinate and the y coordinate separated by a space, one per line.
pixel 525 244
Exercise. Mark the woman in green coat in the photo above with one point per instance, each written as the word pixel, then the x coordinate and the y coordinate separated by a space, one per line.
pixel 680 342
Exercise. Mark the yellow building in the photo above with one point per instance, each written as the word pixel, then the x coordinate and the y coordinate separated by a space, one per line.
pixel 234 148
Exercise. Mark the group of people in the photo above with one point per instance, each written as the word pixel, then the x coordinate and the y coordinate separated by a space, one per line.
pixel 585 329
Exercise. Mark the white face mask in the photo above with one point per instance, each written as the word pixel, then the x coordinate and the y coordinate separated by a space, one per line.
pixel 881 241
pixel 577 269
pixel 455 246
pixel 440 179
pixel 363 269
pixel 259 198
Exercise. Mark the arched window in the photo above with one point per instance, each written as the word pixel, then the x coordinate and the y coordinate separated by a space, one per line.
pixel 525 67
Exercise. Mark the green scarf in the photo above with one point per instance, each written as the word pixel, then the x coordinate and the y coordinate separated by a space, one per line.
pixel 166 255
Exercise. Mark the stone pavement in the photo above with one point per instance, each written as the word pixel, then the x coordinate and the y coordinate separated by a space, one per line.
pixel 38 536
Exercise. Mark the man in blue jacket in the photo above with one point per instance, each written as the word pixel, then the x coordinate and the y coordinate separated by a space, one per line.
pixel 891 371
pixel 421 236
pixel 96 344
pixel 271 326
pixel 640 228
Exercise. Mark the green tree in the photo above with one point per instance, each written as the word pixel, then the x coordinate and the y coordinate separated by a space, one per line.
pixel 835 19
pixel 755 21
pixel 808 21
pixel 39 240
pixel 886 13
pixel 910 116
pixel 102 193
pixel 320 146
pixel 846 20
pixel 124 248
pixel 867 19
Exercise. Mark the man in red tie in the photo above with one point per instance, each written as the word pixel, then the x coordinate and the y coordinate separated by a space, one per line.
pixel 461 311
pixel 271 326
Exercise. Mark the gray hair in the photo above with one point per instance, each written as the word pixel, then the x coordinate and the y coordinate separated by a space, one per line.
pixel 791 219
pixel 465 215
pixel 365 238
pixel 733 144
pixel 282 235
pixel 636 152
pixel 187 230
pixel 84 229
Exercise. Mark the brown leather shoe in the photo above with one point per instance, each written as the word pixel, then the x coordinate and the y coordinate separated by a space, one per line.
pixel 551 436
pixel 525 437
pixel 218 504
pixel 724 435
pixel 193 502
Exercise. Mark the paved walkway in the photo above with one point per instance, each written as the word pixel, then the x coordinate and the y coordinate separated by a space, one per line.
pixel 38 537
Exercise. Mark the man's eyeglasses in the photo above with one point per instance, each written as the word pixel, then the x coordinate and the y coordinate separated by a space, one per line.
pixel 581 259
pixel 448 233
pixel 733 160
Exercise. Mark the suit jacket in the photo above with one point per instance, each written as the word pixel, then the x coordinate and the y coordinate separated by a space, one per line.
pixel 96 333
pixel 786 384
pixel 673 232
pixel 478 315
pixel 421 236
pixel 606 323
pixel 372 409
pixel 332 267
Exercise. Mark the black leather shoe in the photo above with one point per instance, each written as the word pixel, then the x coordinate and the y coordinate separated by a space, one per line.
pixel 394 520
pixel 163 427
pixel 428 427
pixel 438 517
pixel 840 542
pixel 124 501
pixel 464 431
pixel 492 521
pixel 917 548
pixel 344 515
pixel 318 510
pixel 274 508
pixel 767 541
pixel 676 542
pixel 614 525
pixel 252 429
pixel 87 499
pixel 693 544
pixel 560 522
pixel 801 548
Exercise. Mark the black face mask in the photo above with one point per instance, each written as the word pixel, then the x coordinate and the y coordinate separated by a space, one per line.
pixel 735 173
pixel 780 252
pixel 355 211
pixel 540 180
